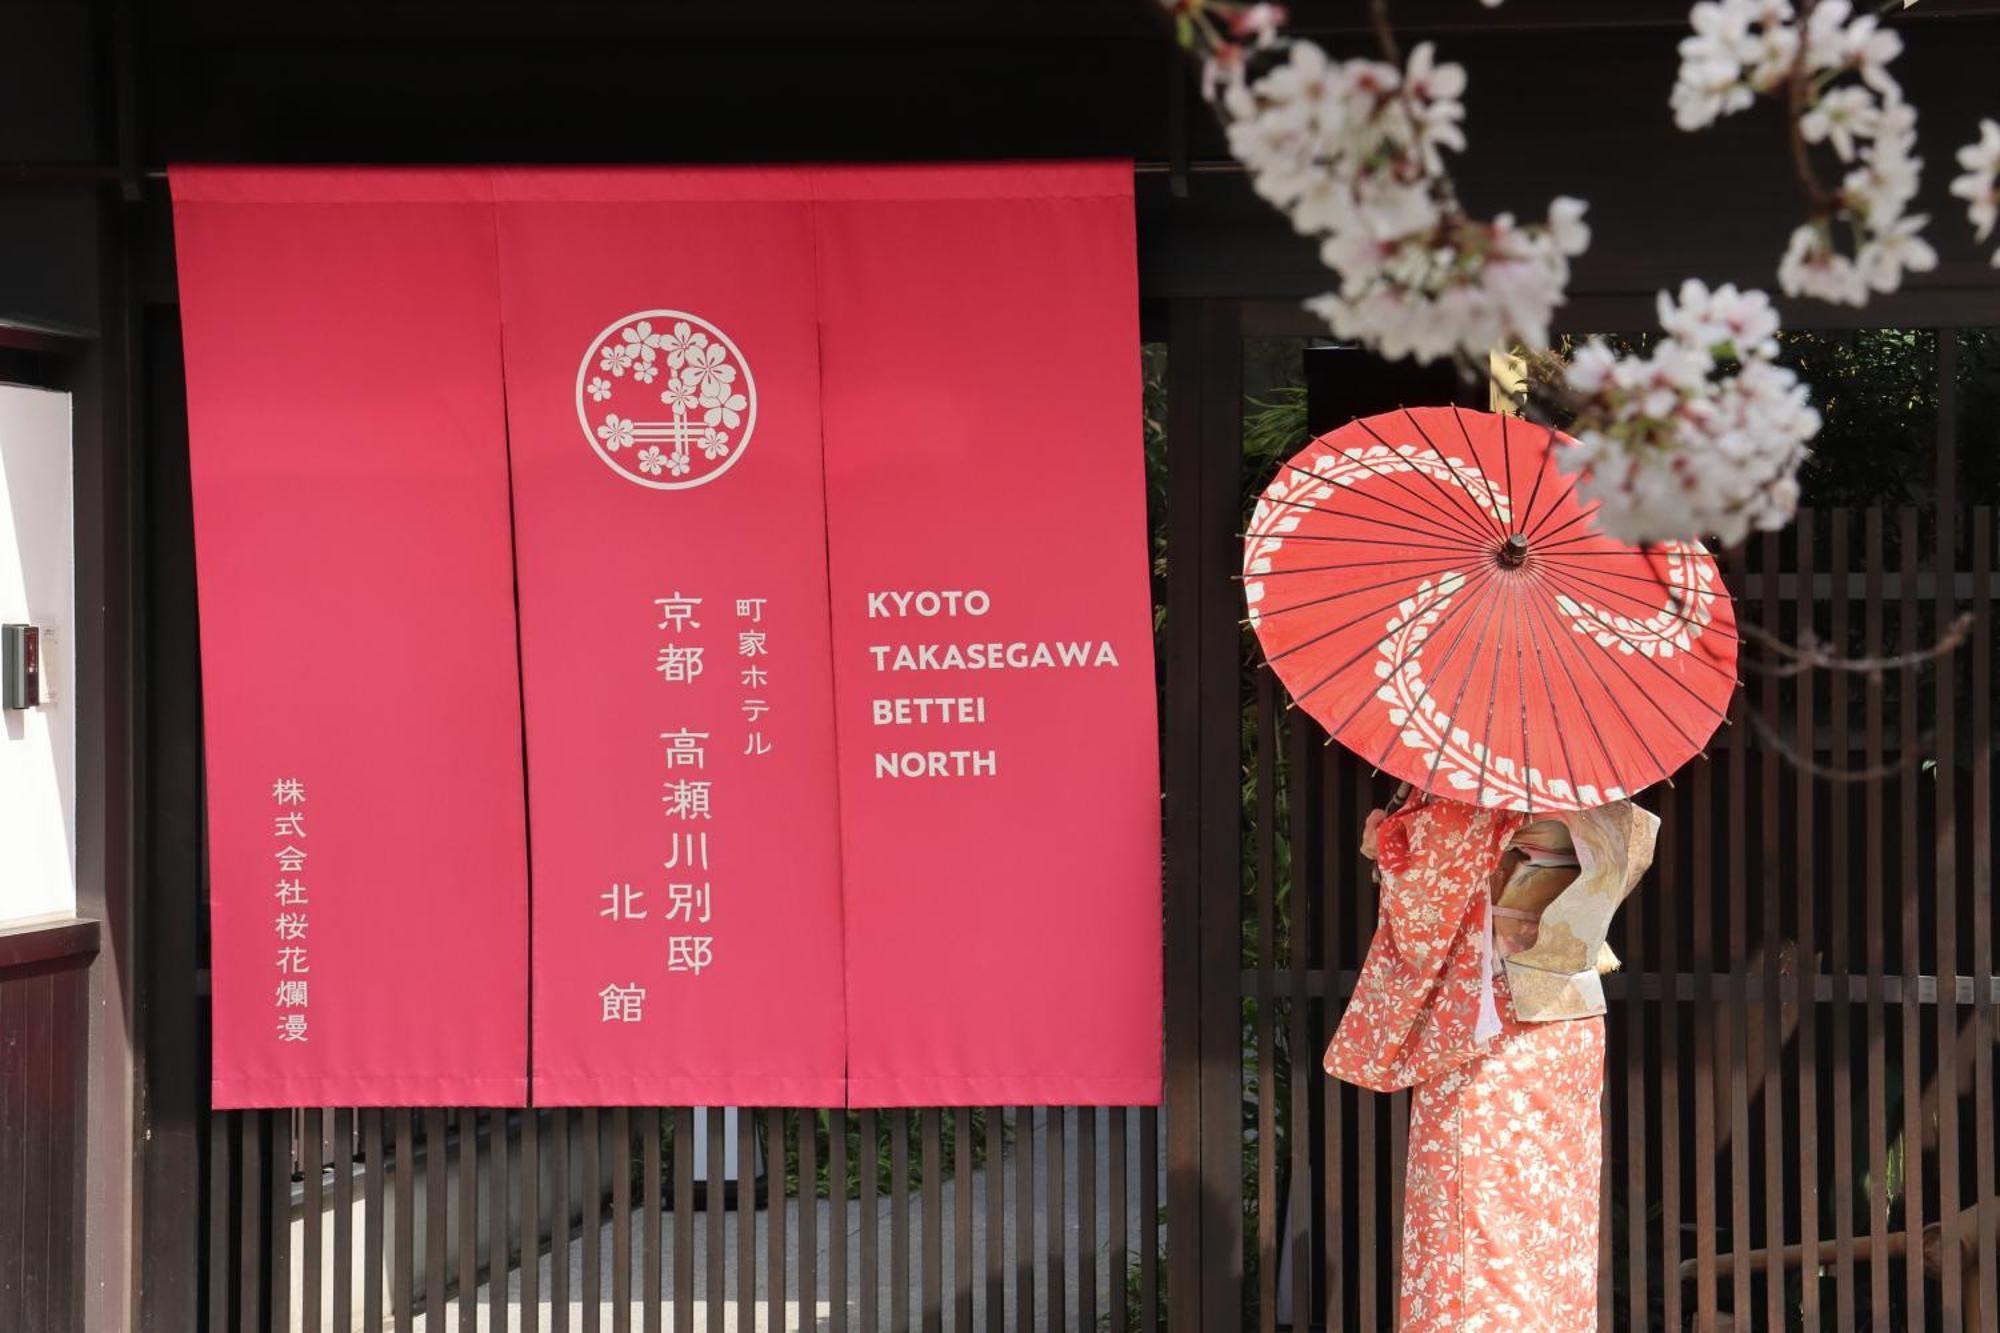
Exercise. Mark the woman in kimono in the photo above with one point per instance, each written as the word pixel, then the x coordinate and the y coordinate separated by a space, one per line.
pixel 1481 993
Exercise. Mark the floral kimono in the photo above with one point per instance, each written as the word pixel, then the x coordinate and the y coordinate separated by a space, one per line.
pixel 1501 1193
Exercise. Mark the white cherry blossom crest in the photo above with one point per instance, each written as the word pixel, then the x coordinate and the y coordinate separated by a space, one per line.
pixel 665 399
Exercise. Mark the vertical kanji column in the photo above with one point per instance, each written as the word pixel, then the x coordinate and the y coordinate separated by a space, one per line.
pixel 663 391
pixel 368 871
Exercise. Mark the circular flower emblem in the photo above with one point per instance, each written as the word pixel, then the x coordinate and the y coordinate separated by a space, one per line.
pixel 666 399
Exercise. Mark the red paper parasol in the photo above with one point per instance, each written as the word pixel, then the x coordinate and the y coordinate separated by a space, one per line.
pixel 1429 588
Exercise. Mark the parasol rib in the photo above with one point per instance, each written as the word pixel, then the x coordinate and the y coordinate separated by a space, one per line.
pixel 1366 695
pixel 1381 522
pixel 1618 703
pixel 1399 579
pixel 1618 660
pixel 1275 658
pixel 1547 541
pixel 1572 589
pixel 1677 615
pixel 1437 673
pixel 1533 635
pixel 1548 461
pixel 1320 569
pixel 1493 697
pixel 1485 482
pixel 1366 541
pixel 1582 704
pixel 1489 521
pixel 1554 508
pixel 1577 574
pixel 1521 678
pixel 1453 513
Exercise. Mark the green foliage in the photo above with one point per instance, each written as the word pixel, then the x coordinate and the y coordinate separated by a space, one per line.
pixel 881 1151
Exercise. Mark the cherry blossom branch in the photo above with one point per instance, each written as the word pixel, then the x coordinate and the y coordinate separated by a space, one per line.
pixel 1829 66
pixel 1704 433
pixel 1809 654
pixel 1805 763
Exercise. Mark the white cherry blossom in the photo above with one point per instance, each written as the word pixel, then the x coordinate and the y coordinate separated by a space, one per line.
pixel 1980 185
pixel 1704 434
pixel 1834 69
pixel 1352 152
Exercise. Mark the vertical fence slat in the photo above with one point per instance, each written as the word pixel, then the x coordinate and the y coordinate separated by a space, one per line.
pixel 1770 1071
pixel 1805 884
pixel 836 1233
pixel 1944 563
pixel 343 1220
pixel 499 1246
pixel 1840 955
pixel 1912 924
pixel 651 1263
pixel 561 1201
pixel 868 1275
pixel 653 1258
pixel 250 1230
pixel 996 1220
pixel 220 1195
pixel 961 1234
pixel 1981 669
pixel 493 1215
pixel 1267 1075
pixel 621 1219
pixel 589 1184
pixel 1738 1021
pixel 403 1292
pixel 809 1221
pixel 1675 870
pixel 280 1220
pixel 1086 1218
pixel 1707 1049
pixel 774 1217
pixel 1117 1189
pixel 1877 946
pixel 933 1209
pixel 1149 1219
pixel 1337 875
pixel 1024 1217
pixel 437 1217
pixel 684 1132
pixel 1055 1160
pixel 532 1228
pixel 746 1215
pixel 374 1177
pixel 312 1158
pixel 899 1220
pixel 715 1204
pixel 1306 888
